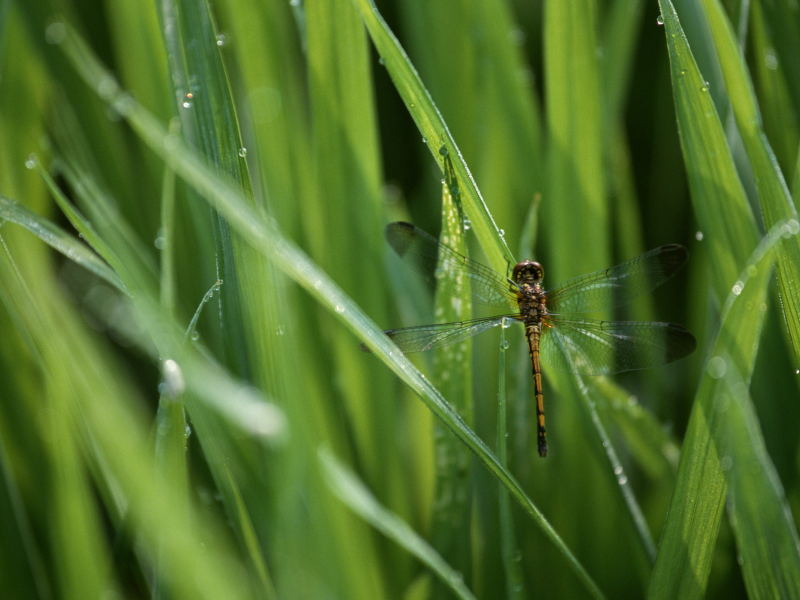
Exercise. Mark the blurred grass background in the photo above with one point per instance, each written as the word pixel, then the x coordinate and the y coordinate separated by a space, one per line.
pixel 578 138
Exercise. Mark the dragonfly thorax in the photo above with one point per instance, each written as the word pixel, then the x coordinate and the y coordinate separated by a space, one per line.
pixel 528 272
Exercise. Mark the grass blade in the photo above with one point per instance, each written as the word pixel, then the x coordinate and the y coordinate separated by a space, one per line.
pixel 52 235
pixel 434 131
pixel 776 202
pixel 684 558
pixel 358 498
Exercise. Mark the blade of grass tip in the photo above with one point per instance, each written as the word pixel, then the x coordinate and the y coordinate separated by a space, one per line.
pixel 77 220
pixel 79 168
pixel 350 490
pixel 695 511
pixel 515 579
pixel 776 202
pixel 262 233
pixel 60 240
pixel 190 330
pixel 434 131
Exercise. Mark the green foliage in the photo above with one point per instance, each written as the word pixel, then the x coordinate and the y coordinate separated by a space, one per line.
pixel 185 412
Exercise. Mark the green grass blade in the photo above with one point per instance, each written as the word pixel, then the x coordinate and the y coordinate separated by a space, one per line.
pixel 350 490
pixel 453 367
pixel 57 238
pixel 766 534
pixel 576 183
pixel 721 208
pixel 434 131
pixel 776 202
pixel 515 580
pixel 209 123
pixel 690 533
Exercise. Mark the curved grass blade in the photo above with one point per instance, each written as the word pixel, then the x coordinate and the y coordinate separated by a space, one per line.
pixel 352 491
pixel 435 132
pixel 60 240
pixel 690 533
pixel 720 204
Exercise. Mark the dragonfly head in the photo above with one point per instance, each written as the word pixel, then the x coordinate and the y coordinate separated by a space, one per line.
pixel 528 272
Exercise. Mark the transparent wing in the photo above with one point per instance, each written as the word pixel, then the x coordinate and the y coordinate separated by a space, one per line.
pixel 428 337
pixel 590 347
pixel 421 252
pixel 617 285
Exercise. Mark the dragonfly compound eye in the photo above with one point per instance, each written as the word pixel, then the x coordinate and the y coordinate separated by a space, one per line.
pixel 528 271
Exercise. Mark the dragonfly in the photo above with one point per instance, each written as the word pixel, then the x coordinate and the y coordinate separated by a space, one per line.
pixel 555 328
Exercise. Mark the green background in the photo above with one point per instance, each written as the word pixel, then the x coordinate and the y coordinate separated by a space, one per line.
pixel 252 153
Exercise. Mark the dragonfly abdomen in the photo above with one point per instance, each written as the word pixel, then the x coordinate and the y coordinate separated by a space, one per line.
pixel 533 332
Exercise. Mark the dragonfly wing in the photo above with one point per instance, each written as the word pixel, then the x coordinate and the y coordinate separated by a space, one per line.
pixel 428 337
pixel 590 347
pixel 618 285
pixel 434 260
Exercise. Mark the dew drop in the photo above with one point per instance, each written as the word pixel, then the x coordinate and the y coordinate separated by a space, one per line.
pixel 221 40
pixel 699 236
pixel 187 431
pixel 31 162
pixel 339 308
pixel 242 152
pixel 195 336
pixel 737 288
pixel 717 367
pixel 382 60
pixel 660 20
pixel 770 59
pixel 55 33
pixel 173 384
pixel 443 150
